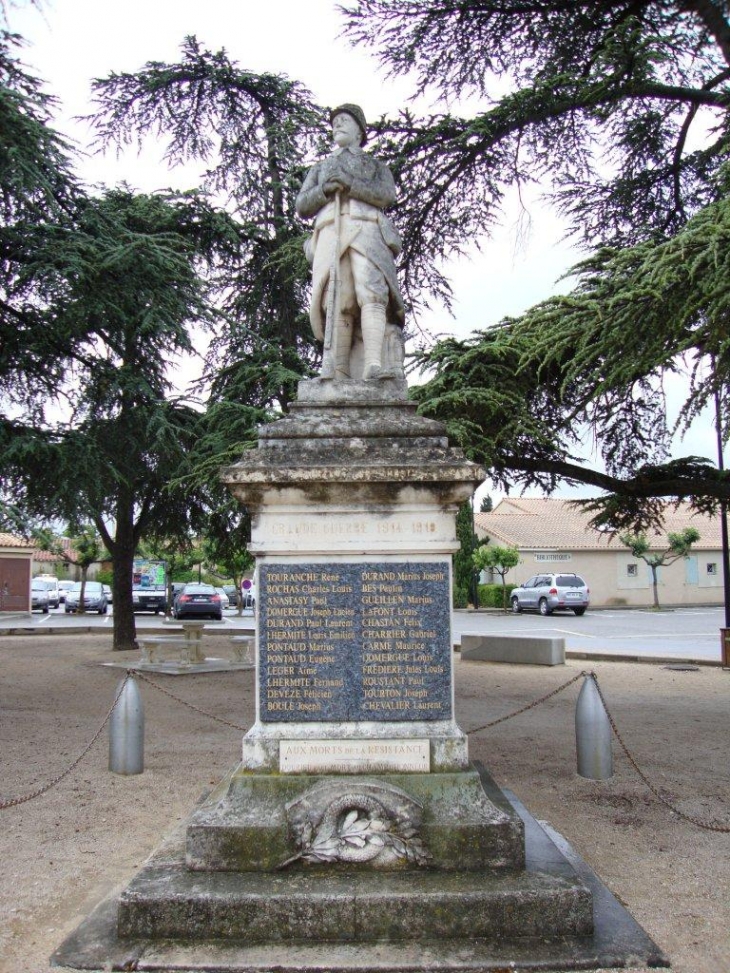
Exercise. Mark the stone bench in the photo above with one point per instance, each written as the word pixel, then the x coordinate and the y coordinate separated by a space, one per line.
pixel 152 648
pixel 243 649
pixel 520 649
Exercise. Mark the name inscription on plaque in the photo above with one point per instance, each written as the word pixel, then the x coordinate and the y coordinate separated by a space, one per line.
pixel 354 641
pixel 354 756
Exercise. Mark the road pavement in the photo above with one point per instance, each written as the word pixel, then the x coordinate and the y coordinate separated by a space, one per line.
pixel 680 634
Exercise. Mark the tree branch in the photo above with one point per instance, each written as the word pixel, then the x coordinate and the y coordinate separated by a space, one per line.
pixel 711 16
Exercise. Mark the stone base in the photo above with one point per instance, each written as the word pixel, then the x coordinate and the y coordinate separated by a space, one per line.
pixel 324 391
pixel 615 941
pixel 246 823
pixel 174 668
pixel 166 901
pixel 517 649
pixel 448 745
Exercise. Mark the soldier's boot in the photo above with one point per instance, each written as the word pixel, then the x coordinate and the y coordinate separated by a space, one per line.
pixel 372 325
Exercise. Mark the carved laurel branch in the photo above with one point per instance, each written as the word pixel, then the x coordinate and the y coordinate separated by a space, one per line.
pixel 356 828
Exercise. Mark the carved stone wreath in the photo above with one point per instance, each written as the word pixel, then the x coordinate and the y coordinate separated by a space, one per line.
pixel 371 824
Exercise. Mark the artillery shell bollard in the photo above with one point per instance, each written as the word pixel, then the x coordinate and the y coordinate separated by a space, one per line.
pixel 592 734
pixel 126 731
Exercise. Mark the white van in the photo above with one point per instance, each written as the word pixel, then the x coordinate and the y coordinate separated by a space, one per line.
pixel 51 583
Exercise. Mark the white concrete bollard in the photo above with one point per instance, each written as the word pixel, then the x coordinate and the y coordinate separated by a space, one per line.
pixel 592 734
pixel 126 731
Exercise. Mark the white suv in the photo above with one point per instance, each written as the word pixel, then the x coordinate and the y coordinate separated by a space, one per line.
pixel 547 593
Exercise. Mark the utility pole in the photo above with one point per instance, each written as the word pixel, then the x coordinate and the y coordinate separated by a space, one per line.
pixel 723 533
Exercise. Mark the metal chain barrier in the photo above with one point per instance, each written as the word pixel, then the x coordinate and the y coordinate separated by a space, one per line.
pixel 15 801
pixel 719 828
pixel 532 705
pixel 184 702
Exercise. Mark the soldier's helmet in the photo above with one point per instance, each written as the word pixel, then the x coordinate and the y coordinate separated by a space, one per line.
pixel 356 112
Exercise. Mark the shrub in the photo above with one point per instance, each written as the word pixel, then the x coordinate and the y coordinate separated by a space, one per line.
pixel 461 596
pixel 490 595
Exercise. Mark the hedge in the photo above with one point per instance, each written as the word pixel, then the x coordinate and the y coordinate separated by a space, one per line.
pixel 490 595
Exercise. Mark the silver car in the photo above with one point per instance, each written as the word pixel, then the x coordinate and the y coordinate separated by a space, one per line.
pixel 94 598
pixel 39 597
pixel 547 593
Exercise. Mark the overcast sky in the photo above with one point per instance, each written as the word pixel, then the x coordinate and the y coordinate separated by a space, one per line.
pixel 73 41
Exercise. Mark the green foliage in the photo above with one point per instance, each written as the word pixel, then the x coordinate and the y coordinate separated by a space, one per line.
pixel 680 545
pixel 601 102
pixel 100 294
pixel 500 560
pixel 520 396
pixel 486 505
pixel 253 134
pixel 120 278
pixel 605 103
pixel 461 596
pixel 105 576
pixel 36 188
pixel 35 175
pixel 493 595
pixel 465 577
pixel 88 547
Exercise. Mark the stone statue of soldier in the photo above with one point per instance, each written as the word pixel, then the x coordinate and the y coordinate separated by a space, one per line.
pixel 357 307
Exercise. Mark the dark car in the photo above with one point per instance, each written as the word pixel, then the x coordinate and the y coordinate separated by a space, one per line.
pixel 232 591
pixel 146 599
pixel 94 598
pixel 197 601
pixel 39 597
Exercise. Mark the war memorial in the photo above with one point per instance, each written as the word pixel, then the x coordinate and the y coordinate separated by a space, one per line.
pixel 355 834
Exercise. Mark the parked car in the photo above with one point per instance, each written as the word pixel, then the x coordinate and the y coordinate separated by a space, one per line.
pixel 38 597
pixel 177 587
pixel 225 600
pixel 63 587
pixel 197 601
pixel 94 598
pixel 232 592
pixel 145 599
pixel 547 593
pixel 51 583
pixel 108 592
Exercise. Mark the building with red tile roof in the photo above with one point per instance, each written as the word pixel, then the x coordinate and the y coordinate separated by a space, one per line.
pixel 16 562
pixel 556 535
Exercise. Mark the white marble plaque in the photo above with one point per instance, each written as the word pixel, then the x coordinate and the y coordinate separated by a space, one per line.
pixel 354 756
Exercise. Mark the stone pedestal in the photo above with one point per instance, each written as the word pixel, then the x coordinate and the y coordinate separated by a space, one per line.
pixel 354 820
pixel 352 499
pixel 354 790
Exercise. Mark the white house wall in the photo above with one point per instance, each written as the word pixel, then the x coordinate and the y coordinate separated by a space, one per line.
pixel 613 583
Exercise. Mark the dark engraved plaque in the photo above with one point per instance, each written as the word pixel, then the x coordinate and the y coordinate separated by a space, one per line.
pixel 355 641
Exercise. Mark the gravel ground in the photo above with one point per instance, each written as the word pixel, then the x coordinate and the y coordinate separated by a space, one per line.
pixel 64 851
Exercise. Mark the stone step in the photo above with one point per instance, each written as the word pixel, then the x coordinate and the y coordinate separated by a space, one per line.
pixel 167 901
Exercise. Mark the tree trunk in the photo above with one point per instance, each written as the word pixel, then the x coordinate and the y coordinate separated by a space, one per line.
pixel 125 633
pixel 655 585
pixel 81 610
